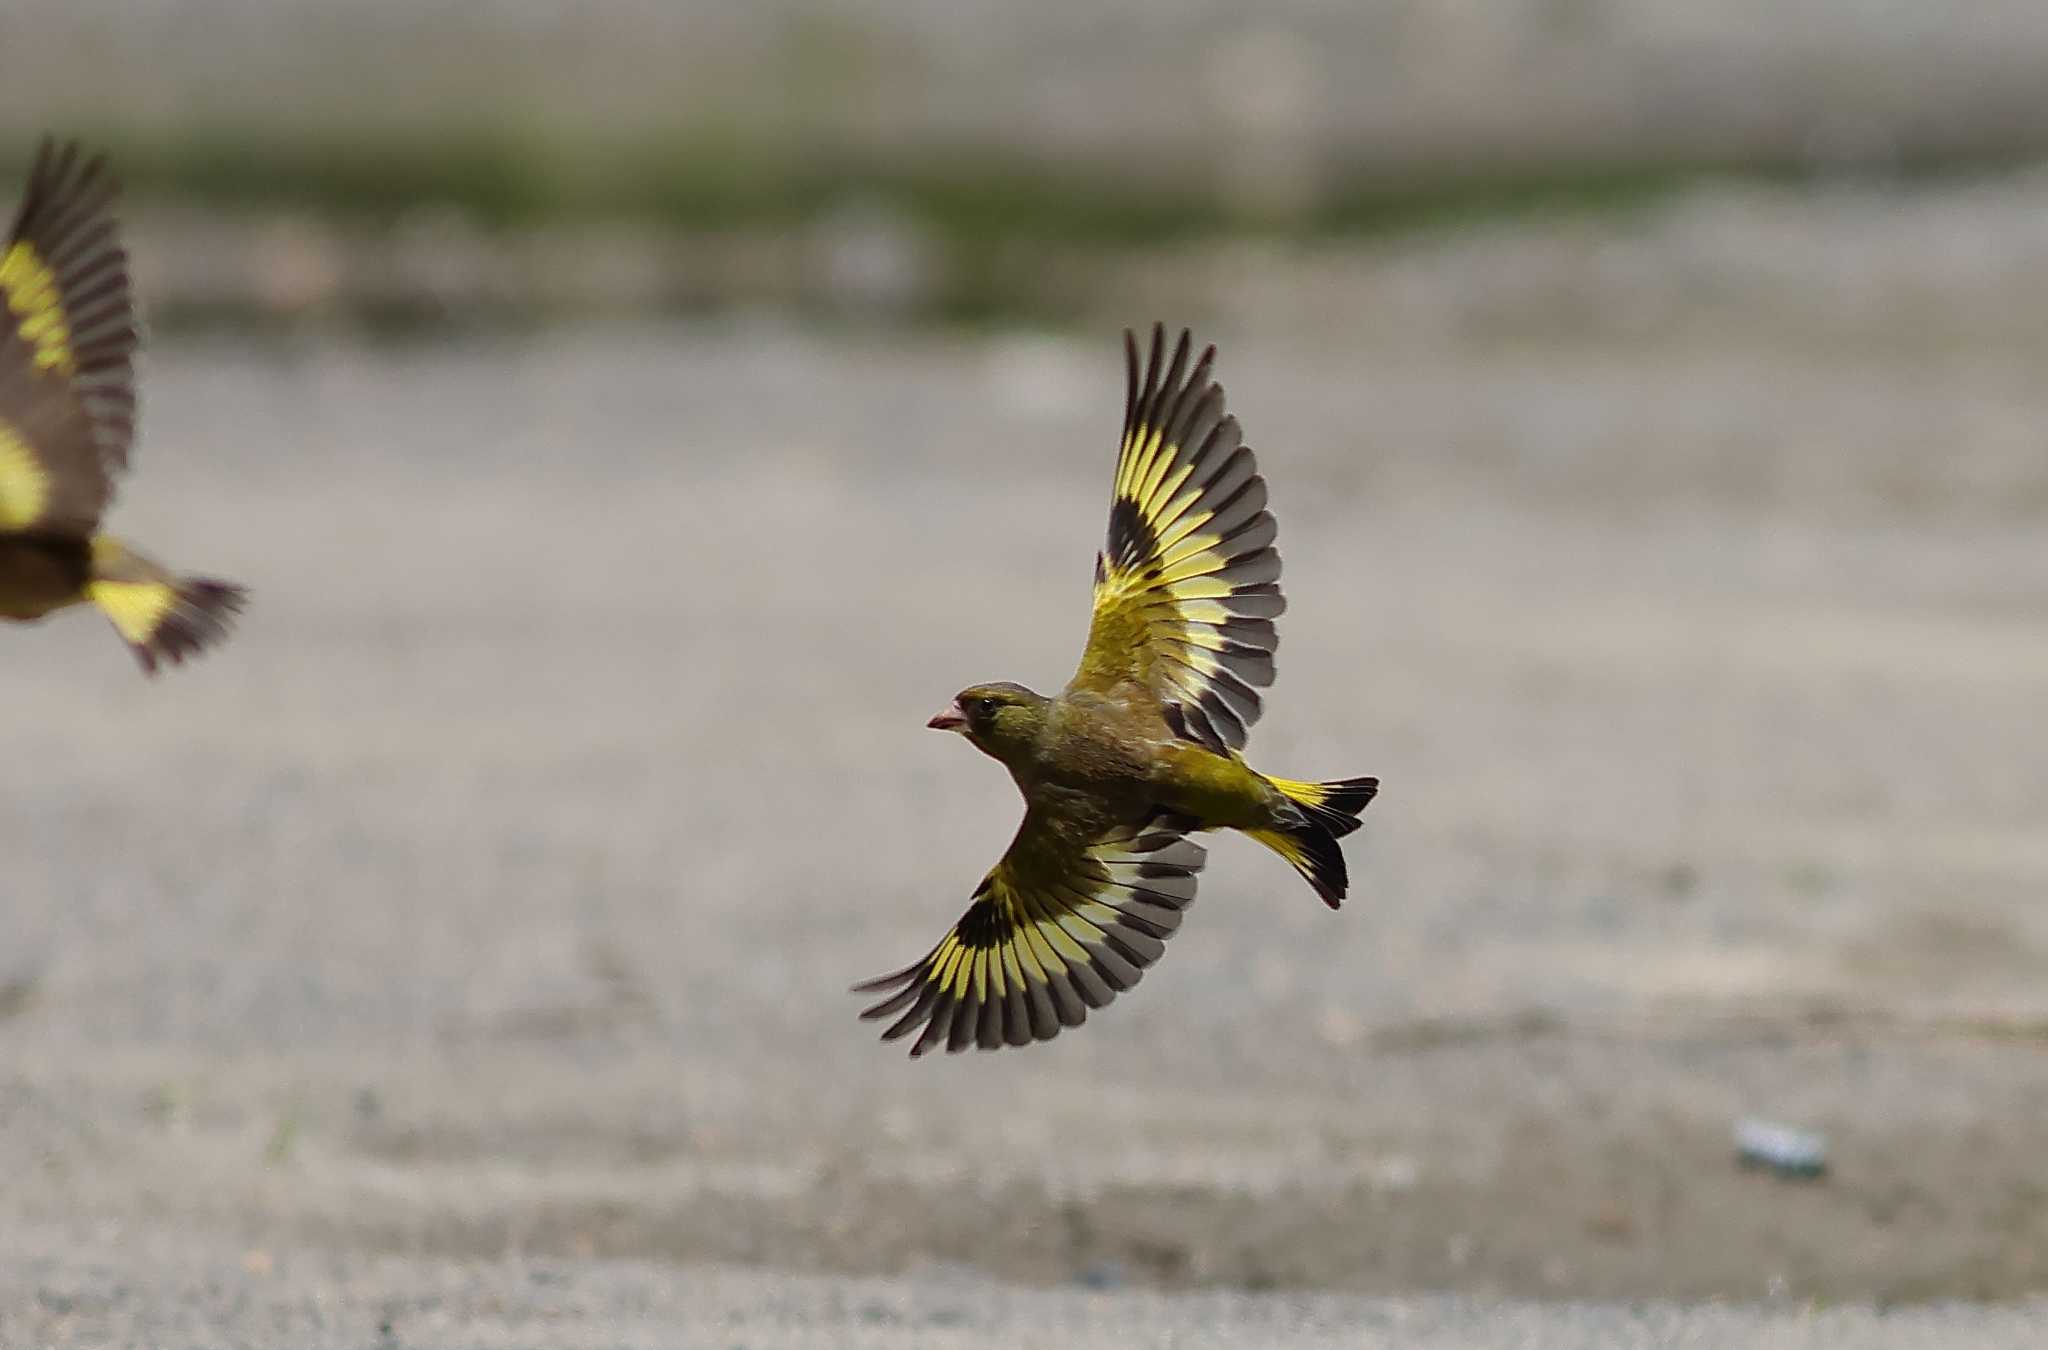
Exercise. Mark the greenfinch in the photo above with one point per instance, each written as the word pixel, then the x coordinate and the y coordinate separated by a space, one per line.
pixel 1139 751
pixel 68 334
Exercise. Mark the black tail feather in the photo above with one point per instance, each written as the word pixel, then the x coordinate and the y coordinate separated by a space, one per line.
pixel 1334 806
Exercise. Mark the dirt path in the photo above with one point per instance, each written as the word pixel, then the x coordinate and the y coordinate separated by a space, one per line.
pixel 497 891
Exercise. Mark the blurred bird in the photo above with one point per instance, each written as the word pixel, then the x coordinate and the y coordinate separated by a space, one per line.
pixel 1140 749
pixel 68 334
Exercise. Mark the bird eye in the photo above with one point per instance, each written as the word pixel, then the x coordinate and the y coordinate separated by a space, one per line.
pixel 984 705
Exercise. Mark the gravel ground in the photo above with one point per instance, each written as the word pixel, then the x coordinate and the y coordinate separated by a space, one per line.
pixel 98 1294
pixel 470 937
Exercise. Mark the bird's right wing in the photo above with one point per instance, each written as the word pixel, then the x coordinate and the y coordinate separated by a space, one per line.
pixel 51 478
pixel 1066 921
pixel 64 277
pixel 67 343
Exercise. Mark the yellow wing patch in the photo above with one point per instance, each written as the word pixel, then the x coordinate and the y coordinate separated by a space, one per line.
pixel 1053 931
pixel 67 299
pixel 30 287
pixel 24 483
pixel 1187 587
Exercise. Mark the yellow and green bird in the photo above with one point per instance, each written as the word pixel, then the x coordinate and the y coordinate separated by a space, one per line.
pixel 1139 751
pixel 68 334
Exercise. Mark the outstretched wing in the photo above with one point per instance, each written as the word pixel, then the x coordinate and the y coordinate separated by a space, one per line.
pixel 1188 587
pixel 70 306
pixel 1061 925
pixel 50 476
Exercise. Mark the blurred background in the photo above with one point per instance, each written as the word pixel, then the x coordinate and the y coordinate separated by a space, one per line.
pixel 634 419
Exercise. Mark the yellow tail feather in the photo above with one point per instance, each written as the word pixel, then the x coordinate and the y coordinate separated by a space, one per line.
pixel 161 616
pixel 1313 852
pixel 1334 805
pixel 1329 811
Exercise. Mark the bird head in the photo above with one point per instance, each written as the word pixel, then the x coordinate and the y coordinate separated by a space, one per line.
pixel 1002 720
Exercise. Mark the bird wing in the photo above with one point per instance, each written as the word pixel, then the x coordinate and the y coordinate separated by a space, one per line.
pixel 51 479
pixel 1068 919
pixel 67 347
pixel 1187 588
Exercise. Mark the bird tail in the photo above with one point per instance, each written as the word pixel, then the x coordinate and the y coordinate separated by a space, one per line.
pixel 160 615
pixel 1325 812
pixel 1335 806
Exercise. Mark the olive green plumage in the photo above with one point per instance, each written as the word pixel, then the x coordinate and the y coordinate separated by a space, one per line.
pixel 1140 749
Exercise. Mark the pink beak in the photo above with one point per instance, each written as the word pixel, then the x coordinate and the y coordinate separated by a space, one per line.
pixel 949 720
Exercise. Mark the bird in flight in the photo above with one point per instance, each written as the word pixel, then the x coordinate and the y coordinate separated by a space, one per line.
pixel 68 334
pixel 1139 751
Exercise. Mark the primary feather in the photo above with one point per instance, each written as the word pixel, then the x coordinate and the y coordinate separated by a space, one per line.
pixel 67 396
pixel 1059 926
pixel 1188 585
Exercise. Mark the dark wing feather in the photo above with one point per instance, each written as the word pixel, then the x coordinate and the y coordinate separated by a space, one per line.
pixel 1188 585
pixel 51 479
pixel 65 283
pixel 1056 928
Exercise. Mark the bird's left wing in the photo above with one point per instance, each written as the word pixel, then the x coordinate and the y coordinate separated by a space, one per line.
pixel 1066 921
pixel 1188 586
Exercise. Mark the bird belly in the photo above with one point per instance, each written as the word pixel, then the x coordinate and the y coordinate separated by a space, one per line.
pixel 39 575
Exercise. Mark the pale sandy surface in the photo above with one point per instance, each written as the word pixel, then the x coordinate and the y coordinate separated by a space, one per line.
pixel 471 936
pixel 99 1294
